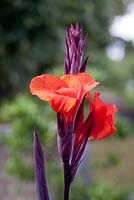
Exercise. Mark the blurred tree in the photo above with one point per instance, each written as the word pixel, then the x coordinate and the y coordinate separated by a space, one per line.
pixel 31 34
pixel 95 16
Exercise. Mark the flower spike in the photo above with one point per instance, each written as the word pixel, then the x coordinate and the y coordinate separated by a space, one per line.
pixel 66 95
pixel 74 50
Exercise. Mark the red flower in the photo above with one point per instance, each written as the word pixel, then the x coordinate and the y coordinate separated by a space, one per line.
pixel 103 118
pixel 66 96
pixel 100 121
pixel 65 92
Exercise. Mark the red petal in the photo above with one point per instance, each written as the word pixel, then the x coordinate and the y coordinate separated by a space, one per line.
pixel 45 85
pixel 99 113
pixel 71 92
pixel 103 122
pixel 109 127
pixel 62 103
pixel 80 80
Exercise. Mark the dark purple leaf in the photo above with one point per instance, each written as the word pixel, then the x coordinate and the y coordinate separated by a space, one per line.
pixel 83 67
pixel 39 169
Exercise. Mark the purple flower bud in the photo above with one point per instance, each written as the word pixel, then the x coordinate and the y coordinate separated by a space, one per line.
pixel 74 50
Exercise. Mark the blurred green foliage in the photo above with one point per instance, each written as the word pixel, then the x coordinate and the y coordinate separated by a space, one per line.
pixel 112 159
pixel 24 113
pixel 124 128
pixel 104 191
pixel 19 167
pixel 32 34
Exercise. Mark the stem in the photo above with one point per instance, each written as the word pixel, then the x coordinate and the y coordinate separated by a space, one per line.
pixel 66 191
pixel 67 181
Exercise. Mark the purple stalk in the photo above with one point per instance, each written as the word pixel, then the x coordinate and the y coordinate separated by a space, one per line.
pixel 64 142
pixel 73 64
pixel 39 169
pixel 67 181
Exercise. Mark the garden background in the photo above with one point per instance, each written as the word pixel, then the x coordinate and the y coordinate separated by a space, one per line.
pixel 32 41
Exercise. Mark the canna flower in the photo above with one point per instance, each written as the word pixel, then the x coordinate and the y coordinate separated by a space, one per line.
pixel 63 93
pixel 66 96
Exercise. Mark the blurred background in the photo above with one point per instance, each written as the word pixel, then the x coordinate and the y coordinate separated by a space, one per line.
pixel 32 40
